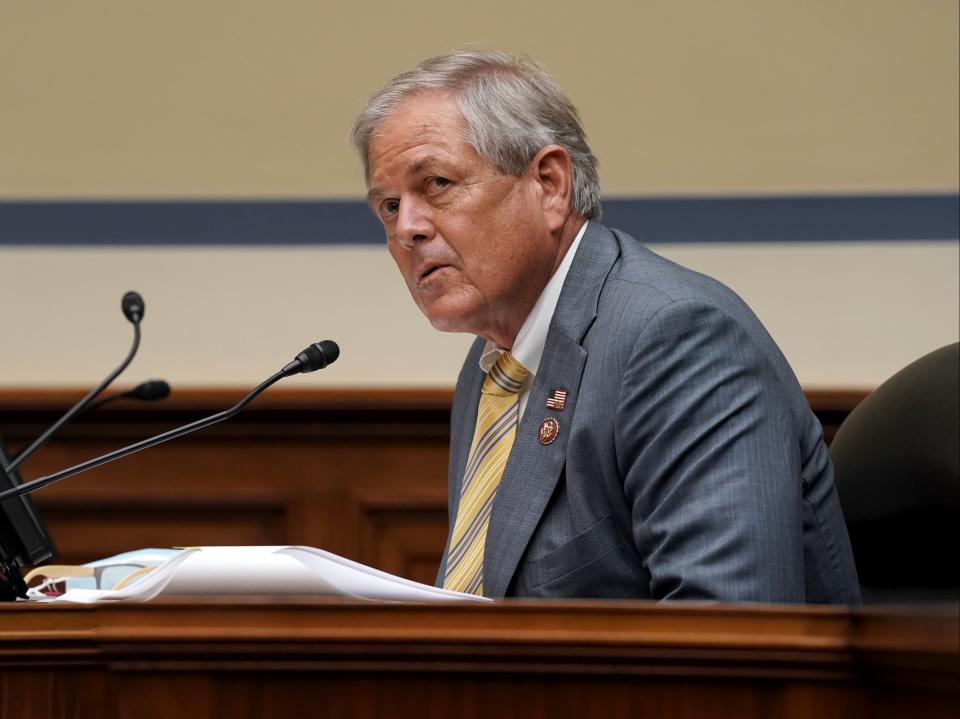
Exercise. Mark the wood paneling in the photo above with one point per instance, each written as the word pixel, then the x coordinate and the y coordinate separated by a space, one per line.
pixel 256 658
pixel 361 473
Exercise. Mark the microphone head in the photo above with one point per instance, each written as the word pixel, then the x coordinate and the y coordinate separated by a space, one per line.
pixel 318 355
pixel 132 305
pixel 152 389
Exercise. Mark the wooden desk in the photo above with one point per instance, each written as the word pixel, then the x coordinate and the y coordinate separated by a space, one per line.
pixel 305 658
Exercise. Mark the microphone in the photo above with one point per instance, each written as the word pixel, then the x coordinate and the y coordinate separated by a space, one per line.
pixel 316 356
pixel 150 391
pixel 132 306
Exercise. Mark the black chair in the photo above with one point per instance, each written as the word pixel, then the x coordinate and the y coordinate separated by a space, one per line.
pixel 897 463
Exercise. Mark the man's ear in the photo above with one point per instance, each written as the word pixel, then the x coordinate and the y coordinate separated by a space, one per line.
pixel 553 172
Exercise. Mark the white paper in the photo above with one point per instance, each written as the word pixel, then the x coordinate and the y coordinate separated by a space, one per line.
pixel 280 570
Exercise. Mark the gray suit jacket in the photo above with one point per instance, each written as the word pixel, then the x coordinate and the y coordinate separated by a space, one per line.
pixel 688 463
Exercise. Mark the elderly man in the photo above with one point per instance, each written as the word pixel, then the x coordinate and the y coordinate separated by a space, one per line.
pixel 622 426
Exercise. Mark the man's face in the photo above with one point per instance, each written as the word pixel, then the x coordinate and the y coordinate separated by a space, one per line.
pixel 472 243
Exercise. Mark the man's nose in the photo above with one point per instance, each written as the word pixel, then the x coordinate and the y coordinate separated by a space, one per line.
pixel 414 222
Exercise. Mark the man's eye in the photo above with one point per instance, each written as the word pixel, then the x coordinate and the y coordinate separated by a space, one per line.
pixel 389 207
pixel 438 183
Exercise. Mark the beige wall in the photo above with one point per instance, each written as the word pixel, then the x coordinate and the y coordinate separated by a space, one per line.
pixel 845 316
pixel 231 97
pixel 239 99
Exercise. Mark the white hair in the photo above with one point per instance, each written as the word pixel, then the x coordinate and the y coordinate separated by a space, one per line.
pixel 512 108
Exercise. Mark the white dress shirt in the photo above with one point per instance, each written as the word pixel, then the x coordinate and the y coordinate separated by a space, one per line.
pixel 528 346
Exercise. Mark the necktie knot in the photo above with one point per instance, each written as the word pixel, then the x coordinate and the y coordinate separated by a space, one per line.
pixel 506 377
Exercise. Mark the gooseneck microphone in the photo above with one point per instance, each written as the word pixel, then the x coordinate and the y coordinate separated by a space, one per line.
pixel 132 306
pixel 316 356
pixel 149 391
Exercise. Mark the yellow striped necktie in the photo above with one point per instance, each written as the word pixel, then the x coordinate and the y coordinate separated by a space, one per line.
pixel 497 418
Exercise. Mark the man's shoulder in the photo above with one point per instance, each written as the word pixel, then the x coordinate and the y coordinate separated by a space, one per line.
pixel 648 281
pixel 684 317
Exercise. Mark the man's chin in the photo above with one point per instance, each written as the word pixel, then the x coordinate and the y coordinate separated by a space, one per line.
pixel 450 320
pixel 449 324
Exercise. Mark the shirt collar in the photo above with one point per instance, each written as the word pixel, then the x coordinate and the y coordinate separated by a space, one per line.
pixel 528 346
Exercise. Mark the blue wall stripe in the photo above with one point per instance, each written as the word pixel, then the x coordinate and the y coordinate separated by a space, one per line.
pixel 348 222
pixel 789 219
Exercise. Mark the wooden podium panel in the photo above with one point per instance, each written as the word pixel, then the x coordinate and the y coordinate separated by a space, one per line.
pixel 256 658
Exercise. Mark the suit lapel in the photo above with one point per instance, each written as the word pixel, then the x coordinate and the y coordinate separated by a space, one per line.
pixel 533 469
pixel 463 438
pixel 466 400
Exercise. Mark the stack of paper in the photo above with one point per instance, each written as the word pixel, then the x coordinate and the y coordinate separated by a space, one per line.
pixel 284 570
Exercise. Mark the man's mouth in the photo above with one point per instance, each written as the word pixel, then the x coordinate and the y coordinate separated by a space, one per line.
pixel 427 270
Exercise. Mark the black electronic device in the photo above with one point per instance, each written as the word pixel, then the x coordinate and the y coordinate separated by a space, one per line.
pixel 24 540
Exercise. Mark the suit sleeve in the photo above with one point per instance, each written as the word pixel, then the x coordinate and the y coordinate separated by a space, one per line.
pixel 710 461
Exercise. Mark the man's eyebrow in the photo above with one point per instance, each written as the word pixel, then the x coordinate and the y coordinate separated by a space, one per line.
pixel 415 169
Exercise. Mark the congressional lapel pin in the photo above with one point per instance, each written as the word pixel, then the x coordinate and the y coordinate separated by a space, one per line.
pixel 557 399
pixel 549 429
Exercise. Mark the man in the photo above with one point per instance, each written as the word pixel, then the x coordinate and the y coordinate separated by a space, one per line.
pixel 622 427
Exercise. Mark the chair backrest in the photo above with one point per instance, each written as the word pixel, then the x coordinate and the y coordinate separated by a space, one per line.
pixel 897 464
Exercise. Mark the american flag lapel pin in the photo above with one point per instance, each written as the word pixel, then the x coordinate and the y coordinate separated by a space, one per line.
pixel 557 399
